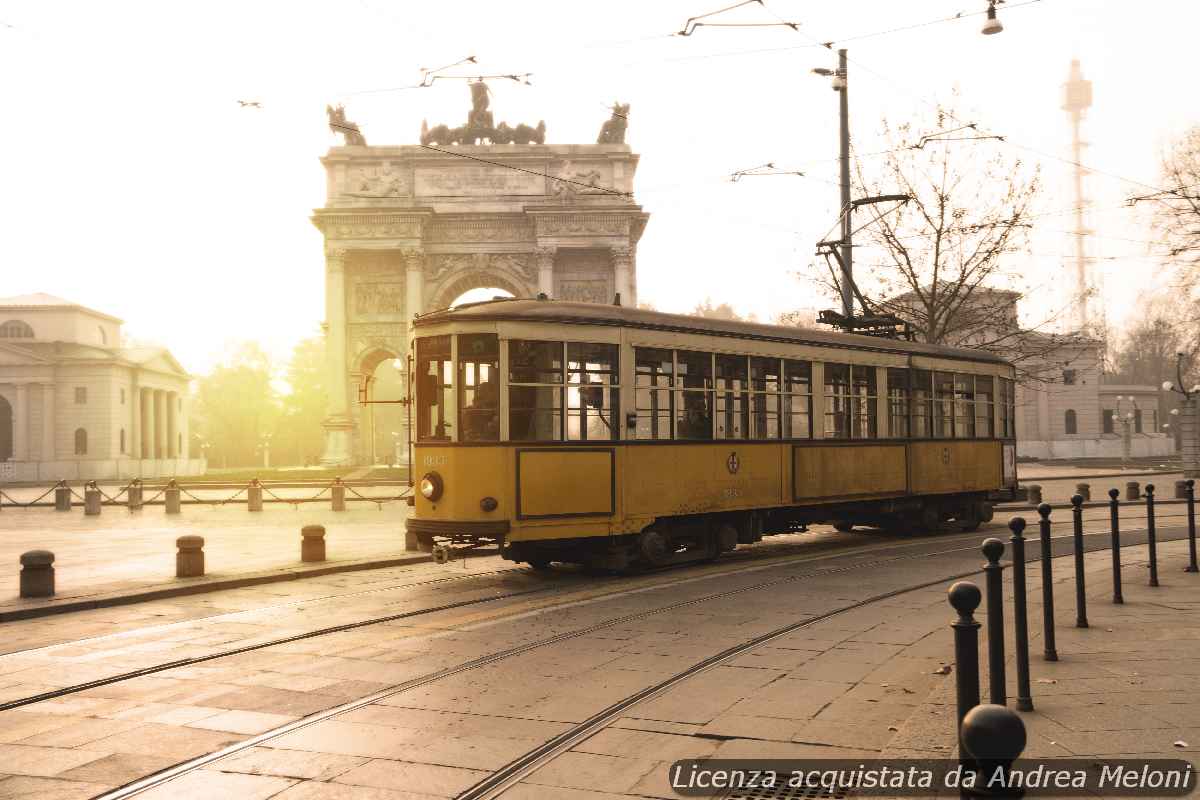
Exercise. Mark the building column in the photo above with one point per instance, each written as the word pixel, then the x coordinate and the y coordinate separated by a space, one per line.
pixel 337 424
pixel 135 419
pixel 148 430
pixel 414 303
pixel 21 424
pixel 622 261
pixel 48 449
pixel 160 423
pixel 545 269
pixel 172 399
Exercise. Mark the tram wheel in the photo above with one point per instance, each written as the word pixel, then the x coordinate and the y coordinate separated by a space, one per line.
pixel 843 526
pixel 540 564
pixel 653 547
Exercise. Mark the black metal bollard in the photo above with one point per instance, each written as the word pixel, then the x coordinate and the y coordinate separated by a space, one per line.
pixel 965 597
pixel 1051 652
pixel 1020 616
pixel 1150 535
pixel 1190 493
pixel 993 736
pixel 993 573
pixel 1113 513
pixel 1080 588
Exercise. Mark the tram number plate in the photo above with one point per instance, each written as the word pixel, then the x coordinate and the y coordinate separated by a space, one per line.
pixel 731 492
pixel 434 461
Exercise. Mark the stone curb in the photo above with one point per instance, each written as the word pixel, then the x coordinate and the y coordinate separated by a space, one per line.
pixel 203 586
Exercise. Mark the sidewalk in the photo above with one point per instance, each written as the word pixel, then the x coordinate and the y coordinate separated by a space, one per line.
pixel 240 548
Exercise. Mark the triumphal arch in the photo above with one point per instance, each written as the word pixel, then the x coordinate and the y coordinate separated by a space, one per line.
pixel 410 228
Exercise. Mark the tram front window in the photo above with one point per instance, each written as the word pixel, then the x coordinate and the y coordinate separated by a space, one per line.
pixel 535 394
pixel 435 392
pixel 479 377
pixel 592 399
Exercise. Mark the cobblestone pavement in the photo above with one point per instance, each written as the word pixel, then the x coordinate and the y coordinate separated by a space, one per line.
pixel 862 682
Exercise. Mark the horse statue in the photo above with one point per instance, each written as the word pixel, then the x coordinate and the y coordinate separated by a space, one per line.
pixel 339 124
pixel 613 130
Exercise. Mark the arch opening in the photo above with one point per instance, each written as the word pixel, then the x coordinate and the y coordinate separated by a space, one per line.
pixel 480 295
pixel 381 424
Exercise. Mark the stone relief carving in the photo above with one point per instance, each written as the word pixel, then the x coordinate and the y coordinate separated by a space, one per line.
pixel 374 181
pixel 368 226
pixel 378 298
pixel 439 265
pixel 593 291
pixel 592 224
pixel 367 337
pixel 480 231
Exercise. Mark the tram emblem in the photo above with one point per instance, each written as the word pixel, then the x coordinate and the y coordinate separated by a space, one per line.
pixel 732 464
pixel 946 456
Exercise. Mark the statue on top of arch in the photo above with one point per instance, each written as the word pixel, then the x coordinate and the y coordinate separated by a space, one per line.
pixel 613 129
pixel 479 126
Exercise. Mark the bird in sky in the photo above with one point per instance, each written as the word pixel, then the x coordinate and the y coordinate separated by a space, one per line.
pixel 249 104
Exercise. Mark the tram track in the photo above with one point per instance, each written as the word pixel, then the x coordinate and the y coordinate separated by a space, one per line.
pixel 501 779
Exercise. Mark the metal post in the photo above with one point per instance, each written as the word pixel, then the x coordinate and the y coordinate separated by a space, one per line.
pixel 1150 537
pixel 1020 621
pixel 1113 504
pixel 1051 653
pixel 993 573
pixel 993 736
pixel 1080 589
pixel 844 136
pixel 965 597
pixel 1190 493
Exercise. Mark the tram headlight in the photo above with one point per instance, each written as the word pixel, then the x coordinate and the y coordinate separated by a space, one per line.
pixel 431 486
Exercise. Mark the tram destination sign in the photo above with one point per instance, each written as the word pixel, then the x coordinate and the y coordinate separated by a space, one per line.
pixel 475 180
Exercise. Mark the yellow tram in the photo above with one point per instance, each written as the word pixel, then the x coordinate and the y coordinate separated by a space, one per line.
pixel 613 436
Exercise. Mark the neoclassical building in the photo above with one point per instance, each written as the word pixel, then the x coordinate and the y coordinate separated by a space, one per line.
pixel 409 229
pixel 76 404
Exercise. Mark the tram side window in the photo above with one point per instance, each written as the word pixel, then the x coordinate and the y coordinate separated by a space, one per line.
pixel 764 398
pixel 797 400
pixel 693 395
pixel 866 400
pixel 943 405
pixel 985 398
pixel 898 403
pixel 592 397
pixel 837 401
pixel 964 406
pixel 435 391
pixel 1008 422
pixel 922 404
pixel 731 387
pixel 535 391
pixel 479 378
pixel 653 370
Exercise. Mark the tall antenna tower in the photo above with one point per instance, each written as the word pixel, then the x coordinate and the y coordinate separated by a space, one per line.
pixel 1077 98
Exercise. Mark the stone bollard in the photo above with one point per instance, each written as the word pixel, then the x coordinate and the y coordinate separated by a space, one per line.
pixel 339 495
pixel 171 498
pixel 312 543
pixel 254 496
pixel 1084 490
pixel 37 574
pixel 1180 490
pixel 1132 491
pixel 1035 495
pixel 62 497
pixel 133 495
pixel 189 561
pixel 91 499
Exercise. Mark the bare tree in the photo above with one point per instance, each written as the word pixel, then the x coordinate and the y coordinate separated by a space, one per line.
pixel 943 260
pixel 720 311
pixel 1177 207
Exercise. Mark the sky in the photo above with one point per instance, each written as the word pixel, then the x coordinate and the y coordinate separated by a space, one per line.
pixel 133 182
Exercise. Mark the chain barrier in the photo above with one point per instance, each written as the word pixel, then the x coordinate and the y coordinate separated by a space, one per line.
pixel 113 500
pixel 31 503
pixel 378 501
pixel 295 502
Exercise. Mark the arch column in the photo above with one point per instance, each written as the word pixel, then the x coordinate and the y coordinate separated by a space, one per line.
pixel 160 423
pixel 48 451
pixel 172 400
pixel 21 423
pixel 622 264
pixel 148 424
pixel 337 424
pixel 545 269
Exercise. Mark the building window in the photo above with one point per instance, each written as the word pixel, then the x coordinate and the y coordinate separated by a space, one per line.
pixel 797 399
pixel 16 329
pixel 653 370
pixel 80 395
pixel 122 441
pixel 1069 422
pixel 731 384
pixel 592 395
pixel 765 386
pixel 1137 420
pixel 1068 377
pixel 693 395
pixel 479 377
pixel 535 393
pixel 898 403
pixel 80 442
pixel 1106 420
pixel 103 335
pixel 122 397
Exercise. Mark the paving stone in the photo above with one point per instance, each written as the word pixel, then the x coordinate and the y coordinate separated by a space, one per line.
pixel 276 701
pixel 79 732
pixel 426 778
pixel 204 784
pixel 264 760
pixel 857 736
pixel 588 771
pixel 641 744
pixel 315 790
pixel 33 788
pixel 247 722
pixel 743 726
pixel 165 740
pixel 529 791
pixel 44 762
pixel 17 725
pixel 118 769
pixel 351 739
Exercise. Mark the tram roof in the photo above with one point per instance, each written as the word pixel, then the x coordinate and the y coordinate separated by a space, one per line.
pixel 568 313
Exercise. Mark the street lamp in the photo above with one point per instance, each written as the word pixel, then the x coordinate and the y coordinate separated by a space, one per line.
pixel 1126 420
pixel 992 25
pixel 266 448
